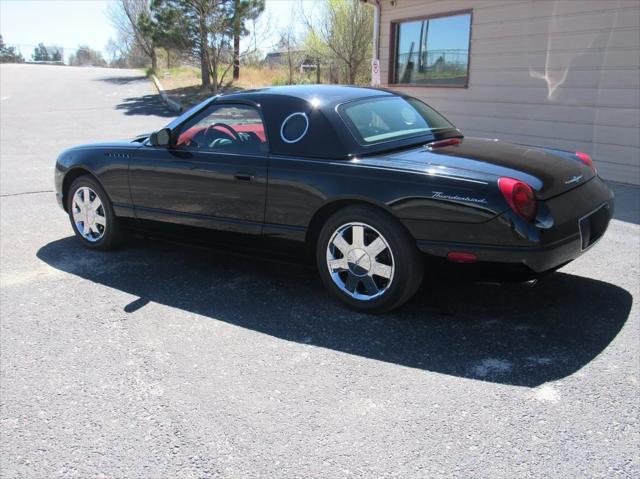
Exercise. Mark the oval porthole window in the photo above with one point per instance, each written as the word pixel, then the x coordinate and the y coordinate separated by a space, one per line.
pixel 294 127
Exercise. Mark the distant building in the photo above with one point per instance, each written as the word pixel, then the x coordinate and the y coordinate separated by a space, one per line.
pixel 280 58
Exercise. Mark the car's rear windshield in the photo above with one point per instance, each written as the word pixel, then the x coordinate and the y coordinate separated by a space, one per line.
pixel 379 120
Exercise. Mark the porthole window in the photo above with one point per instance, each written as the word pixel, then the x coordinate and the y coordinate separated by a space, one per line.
pixel 294 127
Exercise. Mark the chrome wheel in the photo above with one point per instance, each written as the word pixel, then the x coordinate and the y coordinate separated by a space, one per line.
pixel 88 214
pixel 360 261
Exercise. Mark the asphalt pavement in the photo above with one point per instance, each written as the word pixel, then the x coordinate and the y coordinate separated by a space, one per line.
pixel 162 360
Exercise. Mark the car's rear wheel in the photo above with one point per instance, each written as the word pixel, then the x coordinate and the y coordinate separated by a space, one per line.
pixel 91 215
pixel 368 260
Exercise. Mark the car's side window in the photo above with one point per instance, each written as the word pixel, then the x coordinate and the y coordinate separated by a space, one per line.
pixel 225 129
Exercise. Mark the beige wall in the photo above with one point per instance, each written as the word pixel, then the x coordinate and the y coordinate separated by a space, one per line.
pixel 561 73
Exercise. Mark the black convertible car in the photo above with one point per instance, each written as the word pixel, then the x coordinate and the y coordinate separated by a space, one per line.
pixel 368 178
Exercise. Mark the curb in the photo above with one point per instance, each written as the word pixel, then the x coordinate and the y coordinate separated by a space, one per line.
pixel 174 105
pixel 33 62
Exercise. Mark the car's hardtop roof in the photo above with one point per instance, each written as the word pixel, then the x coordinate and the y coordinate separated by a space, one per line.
pixel 326 136
pixel 323 95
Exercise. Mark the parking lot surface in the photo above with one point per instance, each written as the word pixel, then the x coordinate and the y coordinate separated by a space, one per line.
pixel 162 360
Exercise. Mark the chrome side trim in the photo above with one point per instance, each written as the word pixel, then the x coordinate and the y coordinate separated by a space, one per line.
pixel 350 163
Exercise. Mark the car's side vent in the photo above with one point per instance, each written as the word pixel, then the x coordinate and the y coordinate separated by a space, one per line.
pixel 113 154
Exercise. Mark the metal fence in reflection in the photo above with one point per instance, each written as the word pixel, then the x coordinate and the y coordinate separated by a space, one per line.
pixel 453 60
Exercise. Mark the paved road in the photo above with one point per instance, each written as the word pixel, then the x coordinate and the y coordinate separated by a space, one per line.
pixel 166 361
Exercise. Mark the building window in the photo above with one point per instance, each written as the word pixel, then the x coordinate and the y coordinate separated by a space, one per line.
pixel 433 51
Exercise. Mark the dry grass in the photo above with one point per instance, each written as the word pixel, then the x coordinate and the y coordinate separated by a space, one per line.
pixel 183 83
pixel 179 77
pixel 253 77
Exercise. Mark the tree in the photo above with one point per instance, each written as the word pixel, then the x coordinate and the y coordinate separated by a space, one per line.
pixel 86 56
pixel 343 34
pixel 166 27
pixel 56 56
pixel 205 29
pixel 47 54
pixel 117 54
pixel 123 51
pixel 40 54
pixel 288 47
pixel 9 54
pixel 243 10
pixel 127 16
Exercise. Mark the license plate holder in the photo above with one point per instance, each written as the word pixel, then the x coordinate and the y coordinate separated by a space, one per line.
pixel 593 225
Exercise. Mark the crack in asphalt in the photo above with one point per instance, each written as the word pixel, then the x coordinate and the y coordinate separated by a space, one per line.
pixel 26 193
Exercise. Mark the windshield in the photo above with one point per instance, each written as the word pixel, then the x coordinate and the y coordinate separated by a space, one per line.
pixel 385 119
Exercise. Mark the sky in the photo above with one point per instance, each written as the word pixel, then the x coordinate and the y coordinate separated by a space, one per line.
pixel 441 34
pixel 68 23
pixel 64 23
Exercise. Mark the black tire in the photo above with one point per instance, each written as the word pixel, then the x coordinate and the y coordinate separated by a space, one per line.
pixel 113 233
pixel 408 266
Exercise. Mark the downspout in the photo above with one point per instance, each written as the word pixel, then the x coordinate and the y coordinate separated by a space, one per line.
pixel 375 4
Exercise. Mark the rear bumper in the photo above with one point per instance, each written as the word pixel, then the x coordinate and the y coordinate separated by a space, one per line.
pixel 538 259
pixel 566 240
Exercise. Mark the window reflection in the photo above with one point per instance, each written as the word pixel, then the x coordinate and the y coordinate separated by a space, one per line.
pixel 433 51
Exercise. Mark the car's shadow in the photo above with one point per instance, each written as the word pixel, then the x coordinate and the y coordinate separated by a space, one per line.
pixel 508 334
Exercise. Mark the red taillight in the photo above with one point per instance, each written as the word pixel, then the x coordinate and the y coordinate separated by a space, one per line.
pixel 586 159
pixel 520 197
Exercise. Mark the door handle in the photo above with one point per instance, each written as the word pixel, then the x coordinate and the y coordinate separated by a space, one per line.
pixel 244 176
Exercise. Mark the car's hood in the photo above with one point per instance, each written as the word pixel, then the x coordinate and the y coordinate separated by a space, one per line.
pixel 549 172
pixel 108 144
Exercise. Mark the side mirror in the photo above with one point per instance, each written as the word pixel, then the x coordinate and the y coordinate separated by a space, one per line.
pixel 160 137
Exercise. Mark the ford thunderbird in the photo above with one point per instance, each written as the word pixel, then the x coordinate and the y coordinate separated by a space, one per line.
pixel 371 180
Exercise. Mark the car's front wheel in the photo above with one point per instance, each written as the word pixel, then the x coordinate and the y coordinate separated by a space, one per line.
pixel 91 215
pixel 368 260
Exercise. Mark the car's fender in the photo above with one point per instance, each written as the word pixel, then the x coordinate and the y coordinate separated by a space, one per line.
pixel 108 163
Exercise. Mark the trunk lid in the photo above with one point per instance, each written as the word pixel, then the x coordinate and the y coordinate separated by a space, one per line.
pixel 549 172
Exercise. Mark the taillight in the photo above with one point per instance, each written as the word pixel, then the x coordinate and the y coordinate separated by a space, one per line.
pixel 586 159
pixel 520 197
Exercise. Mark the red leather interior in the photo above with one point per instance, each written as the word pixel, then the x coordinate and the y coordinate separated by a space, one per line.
pixel 257 128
